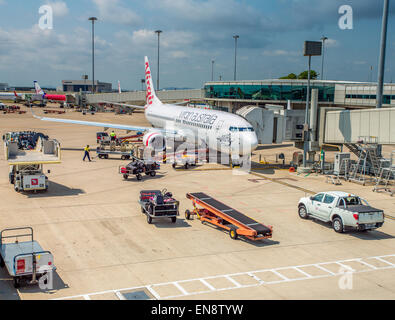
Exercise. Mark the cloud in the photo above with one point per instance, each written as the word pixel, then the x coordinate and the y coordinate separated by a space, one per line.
pixel 113 11
pixel 59 8
pixel 331 43
pixel 279 53
pixel 34 49
pixel 306 14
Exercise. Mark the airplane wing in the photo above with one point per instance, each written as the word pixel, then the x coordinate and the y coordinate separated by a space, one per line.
pixel 103 124
pixel 123 104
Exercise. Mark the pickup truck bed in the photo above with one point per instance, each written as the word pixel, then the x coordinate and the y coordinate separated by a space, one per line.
pixel 361 209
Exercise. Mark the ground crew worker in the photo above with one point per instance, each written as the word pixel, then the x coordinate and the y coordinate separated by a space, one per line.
pixel 113 136
pixel 87 149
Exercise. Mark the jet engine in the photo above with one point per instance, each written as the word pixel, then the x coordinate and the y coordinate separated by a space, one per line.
pixel 154 140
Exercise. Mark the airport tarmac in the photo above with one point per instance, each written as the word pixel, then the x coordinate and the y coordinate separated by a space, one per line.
pixel 104 249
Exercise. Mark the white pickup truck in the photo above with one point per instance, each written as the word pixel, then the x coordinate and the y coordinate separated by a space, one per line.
pixel 343 210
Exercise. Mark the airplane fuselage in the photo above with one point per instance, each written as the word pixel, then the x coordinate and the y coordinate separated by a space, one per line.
pixel 218 130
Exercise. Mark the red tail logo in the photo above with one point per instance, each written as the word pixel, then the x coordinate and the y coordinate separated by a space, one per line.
pixel 149 96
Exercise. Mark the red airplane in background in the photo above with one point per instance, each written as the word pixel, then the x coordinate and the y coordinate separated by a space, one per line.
pixel 45 96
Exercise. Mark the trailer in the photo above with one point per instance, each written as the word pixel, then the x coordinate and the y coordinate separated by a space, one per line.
pixel 27 159
pixel 24 260
pixel 218 214
pixel 156 204
pixel 104 150
pixel 137 167
pixel 105 154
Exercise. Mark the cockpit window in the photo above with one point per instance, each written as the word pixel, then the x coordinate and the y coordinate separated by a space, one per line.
pixel 241 129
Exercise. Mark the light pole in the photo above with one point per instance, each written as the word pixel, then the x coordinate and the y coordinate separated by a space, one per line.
pixel 157 76
pixel 93 19
pixel 382 56
pixel 212 70
pixel 311 48
pixel 235 37
pixel 323 39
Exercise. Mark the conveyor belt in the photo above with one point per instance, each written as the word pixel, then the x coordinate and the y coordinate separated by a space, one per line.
pixel 237 215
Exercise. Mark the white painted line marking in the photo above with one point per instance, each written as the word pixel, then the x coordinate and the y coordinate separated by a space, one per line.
pixel 207 284
pixel 249 273
pixel 345 266
pixel 301 271
pixel 153 292
pixel 255 277
pixel 324 269
pixel 280 275
pixel 120 295
pixel 233 281
pixel 380 258
pixel 177 285
pixel 368 264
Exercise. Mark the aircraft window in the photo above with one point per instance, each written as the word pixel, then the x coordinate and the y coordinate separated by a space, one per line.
pixel 318 197
pixel 241 129
pixel 352 201
pixel 328 199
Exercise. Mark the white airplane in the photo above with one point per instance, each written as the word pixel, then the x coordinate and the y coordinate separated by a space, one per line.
pixel 10 96
pixel 218 130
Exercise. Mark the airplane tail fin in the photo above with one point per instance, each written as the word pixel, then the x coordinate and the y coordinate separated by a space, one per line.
pixel 16 95
pixel 38 88
pixel 150 96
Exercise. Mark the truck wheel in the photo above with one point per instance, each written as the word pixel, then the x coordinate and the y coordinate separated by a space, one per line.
pixel 233 233
pixel 123 158
pixel 186 166
pixel 2 264
pixel 142 210
pixel 139 176
pixel 153 173
pixel 16 188
pixel 173 219
pixel 337 225
pixel 16 282
pixel 174 165
pixel 149 219
pixel 303 212
pixel 187 214
pixel 106 156
pixel 125 176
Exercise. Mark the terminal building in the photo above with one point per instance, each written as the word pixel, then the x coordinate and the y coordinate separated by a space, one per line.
pixel 233 95
pixel 85 85
pixel 3 86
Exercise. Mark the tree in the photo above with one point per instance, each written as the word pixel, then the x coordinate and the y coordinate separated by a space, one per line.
pixel 305 74
pixel 290 76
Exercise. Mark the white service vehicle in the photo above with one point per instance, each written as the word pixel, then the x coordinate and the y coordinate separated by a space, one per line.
pixel 343 210
pixel 26 165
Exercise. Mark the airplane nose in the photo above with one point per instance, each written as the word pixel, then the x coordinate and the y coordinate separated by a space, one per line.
pixel 250 142
pixel 254 142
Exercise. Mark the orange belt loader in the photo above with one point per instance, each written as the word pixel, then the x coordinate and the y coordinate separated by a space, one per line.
pixel 220 215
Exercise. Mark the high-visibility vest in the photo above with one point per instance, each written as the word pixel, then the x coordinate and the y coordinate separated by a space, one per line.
pixel 87 149
pixel 112 134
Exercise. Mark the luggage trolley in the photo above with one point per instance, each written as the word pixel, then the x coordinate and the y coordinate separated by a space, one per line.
pixel 225 217
pixel 24 259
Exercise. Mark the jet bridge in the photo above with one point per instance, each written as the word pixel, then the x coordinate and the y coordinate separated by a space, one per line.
pixel 348 126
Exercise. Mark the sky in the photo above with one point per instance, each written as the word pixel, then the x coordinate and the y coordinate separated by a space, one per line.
pixel 195 32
